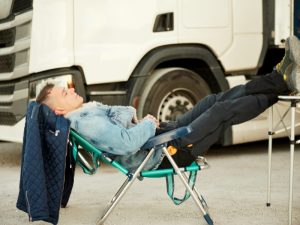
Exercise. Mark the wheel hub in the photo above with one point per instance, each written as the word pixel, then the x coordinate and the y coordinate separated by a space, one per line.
pixel 175 104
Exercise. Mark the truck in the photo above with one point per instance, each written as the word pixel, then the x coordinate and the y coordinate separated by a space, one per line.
pixel 160 56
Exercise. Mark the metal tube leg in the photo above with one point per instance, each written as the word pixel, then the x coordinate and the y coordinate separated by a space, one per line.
pixel 197 193
pixel 270 134
pixel 121 192
pixel 120 189
pixel 114 201
pixel 202 200
pixel 292 148
pixel 184 181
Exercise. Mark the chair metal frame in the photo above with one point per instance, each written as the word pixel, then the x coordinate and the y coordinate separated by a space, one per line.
pixel 153 143
pixel 290 130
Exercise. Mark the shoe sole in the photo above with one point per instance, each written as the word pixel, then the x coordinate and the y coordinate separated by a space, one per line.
pixel 294 45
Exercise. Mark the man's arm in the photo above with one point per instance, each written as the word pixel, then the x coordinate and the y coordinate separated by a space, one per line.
pixel 113 138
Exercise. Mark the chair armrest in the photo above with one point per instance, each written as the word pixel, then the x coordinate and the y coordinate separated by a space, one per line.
pixel 168 136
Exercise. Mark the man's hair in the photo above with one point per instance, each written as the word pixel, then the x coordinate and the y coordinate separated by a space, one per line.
pixel 44 93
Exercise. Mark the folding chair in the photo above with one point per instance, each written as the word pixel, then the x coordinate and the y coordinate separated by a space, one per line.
pixel 89 158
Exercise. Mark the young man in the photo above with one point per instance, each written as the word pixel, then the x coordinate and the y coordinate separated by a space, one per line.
pixel 116 128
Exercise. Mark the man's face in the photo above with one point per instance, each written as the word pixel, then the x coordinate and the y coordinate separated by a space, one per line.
pixel 63 101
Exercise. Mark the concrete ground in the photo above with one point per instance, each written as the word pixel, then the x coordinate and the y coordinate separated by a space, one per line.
pixel 234 188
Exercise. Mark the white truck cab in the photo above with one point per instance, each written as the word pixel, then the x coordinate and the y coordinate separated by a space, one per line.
pixel 160 56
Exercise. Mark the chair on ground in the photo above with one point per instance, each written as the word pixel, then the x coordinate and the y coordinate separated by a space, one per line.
pixel 89 158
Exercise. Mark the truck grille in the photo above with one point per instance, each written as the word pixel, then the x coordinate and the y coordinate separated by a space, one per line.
pixel 15 34
pixel 8 118
pixel 8 12
pixel 21 5
pixel 12 106
pixel 7 63
pixel 7 38
pixel 7 89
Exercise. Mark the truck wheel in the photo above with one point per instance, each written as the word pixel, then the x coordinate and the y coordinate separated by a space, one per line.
pixel 172 92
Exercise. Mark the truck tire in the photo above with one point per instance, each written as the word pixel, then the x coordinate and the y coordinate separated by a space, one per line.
pixel 171 92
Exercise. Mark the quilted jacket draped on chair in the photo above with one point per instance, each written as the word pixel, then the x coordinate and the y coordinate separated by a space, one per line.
pixel 47 169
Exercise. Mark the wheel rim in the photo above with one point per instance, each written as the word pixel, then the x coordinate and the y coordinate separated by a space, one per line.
pixel 174 104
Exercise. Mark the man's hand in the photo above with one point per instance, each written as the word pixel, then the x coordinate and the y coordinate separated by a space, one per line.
pixel 153 119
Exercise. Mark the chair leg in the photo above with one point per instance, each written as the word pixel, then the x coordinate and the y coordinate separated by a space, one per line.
pixel 114 201
pixel 270 134
pixel 123 189
pixel 194 195
pixel 199 196
pixel 202 200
